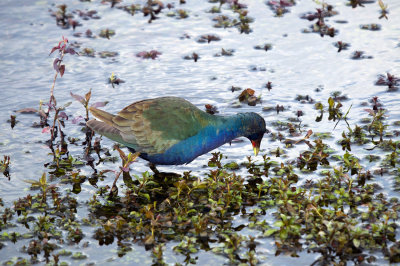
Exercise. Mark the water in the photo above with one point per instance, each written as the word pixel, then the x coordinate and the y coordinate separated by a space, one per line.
pixel 297 64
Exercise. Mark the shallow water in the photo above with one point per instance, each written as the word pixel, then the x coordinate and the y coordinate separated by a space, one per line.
pixel 297 64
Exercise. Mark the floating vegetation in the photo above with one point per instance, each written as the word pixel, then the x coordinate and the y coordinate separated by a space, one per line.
pixel 152 8
pixel 371 27
pixel 111 2
pixel 223 21
pixel 341 45
pixel 304 99
pixel 13 121
pixel 242 22
pixel 214 9
pixel 225 52
pixel 107 54
pixel 62 17
pixel 247 96
pixel 322 30
pixel 5 166
pixel 211 109
pixel 388 80
pixel 320 26
pixel 87 52
pixel 339 96
pixel 207 38
pixel 280 7
pixel 194 56
pixel 179 13
pixel 107 33
pixel 114 80
pixel 266 47
pixel 325 11
pixel 278 108
pixel 357 55
pixel 131 9
pixel 153 54
pixel 86 15
pixel 257 68
pixel 355 3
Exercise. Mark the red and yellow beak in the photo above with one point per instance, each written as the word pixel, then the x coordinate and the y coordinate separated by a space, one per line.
pixel 256 146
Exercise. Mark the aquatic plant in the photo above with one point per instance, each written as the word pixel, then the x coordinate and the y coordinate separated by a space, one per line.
pixel 5 166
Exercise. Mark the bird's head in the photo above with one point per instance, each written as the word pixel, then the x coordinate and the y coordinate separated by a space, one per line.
pixel 255 130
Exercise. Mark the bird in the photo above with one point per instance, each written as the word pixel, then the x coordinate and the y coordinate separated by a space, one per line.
pixel 173 131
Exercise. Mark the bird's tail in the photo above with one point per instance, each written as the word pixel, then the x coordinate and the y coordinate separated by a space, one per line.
pixel 102 115
pixel 106 127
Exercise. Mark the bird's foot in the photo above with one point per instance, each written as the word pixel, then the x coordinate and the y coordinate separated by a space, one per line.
pixel 163 176
pixel 154 168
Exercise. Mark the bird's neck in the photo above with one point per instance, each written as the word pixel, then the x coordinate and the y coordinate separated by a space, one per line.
pixel 231 127
pixel 219 130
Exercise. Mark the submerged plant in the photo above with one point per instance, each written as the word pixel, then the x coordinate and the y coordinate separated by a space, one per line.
pixel 5 166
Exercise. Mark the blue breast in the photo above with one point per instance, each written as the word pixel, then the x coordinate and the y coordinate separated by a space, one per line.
pixel 184 152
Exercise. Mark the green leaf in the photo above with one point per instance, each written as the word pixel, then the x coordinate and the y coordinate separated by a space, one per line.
pixel 331 102
pixel 32 182
pixel 43 180
pixel 66 105
pixel 278 224
pixel 270 232
pixel 356 242
pixel 147 196
pixel 193 250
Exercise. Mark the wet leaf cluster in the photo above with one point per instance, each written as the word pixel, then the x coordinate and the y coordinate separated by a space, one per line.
pixel 5 166
pixel 357 55
pixel 389 80
pixel 153 54
pixel 371 27
pixel 248 96
pixel 280 7
pixel 320 25
pixel 242 22
pixel 194 56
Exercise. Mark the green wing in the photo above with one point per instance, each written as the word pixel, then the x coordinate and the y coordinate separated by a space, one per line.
pixel 154 125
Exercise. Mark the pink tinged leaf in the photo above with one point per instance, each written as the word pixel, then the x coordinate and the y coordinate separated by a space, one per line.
pixel 63 115
pixel 88 95
pixel 54 48
pixel 55 64
pixel 70 51
pixel 77 119
pixel 309 133
pixel 27 110
pixel 99 104
pixel 141 54
pixel 42 114
pixel 154 54
pixel 370 111
pixel 46 130
pixel 107 171
pixel 78 98
pixel 62 70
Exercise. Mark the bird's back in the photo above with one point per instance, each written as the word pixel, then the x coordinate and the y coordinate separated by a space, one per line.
pixel 152 126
